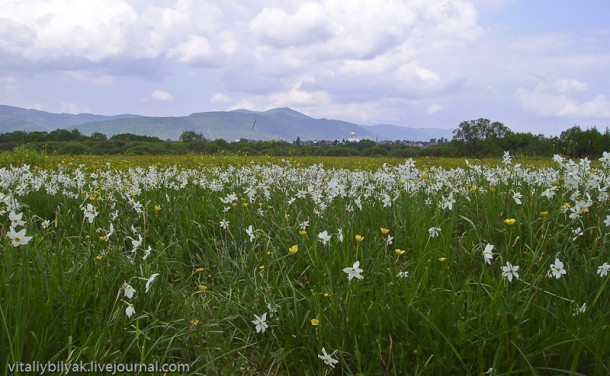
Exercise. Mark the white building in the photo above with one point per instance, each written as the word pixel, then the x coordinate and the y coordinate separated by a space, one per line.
pixel 353 138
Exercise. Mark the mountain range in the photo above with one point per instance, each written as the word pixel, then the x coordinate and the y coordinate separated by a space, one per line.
pixel 276 124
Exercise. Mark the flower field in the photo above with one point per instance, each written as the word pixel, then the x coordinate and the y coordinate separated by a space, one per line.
pixel 308 266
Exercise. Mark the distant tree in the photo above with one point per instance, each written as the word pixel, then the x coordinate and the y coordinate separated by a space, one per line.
pixel 190 136
pixel 298 141
pixel 97 136
pixel 480 137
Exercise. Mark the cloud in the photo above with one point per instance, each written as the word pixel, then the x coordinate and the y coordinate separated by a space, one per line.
pixel 552 100
pixel 219 98
pixel 433 108
pixel 162 96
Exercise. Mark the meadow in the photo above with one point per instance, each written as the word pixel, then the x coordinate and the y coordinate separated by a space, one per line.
pixel 307 266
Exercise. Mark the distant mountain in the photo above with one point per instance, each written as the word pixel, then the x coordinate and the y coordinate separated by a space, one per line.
pixel 276 124
pixel 21 119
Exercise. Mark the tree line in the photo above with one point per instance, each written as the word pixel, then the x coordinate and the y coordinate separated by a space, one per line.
pixel 475 138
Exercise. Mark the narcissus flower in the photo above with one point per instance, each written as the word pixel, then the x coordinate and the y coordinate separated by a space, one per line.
pixel 260 323
pixel 128 291
pixel 324 237
pixel 354 271
pixel 130 310
pixel 18 238
pixel 487 254
pixel 509 271
pixel 557 269
pixel 328 358
pixel 151 279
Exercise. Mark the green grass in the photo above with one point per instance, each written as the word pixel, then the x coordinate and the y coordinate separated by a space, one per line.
pixel 61 296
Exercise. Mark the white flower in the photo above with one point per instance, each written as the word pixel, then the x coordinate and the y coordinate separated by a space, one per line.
pixel 151 280
pixel 224 224
pixel 303 225
pixel 324 237
pixel 147 253
pixel 448 202
pixel 434 231
pixel 90 212
pixel 272 309
pixel 509 271
pixel 557 269
pixel 136 243
pixel 579 310
pixel 45 223
pixel 128 290
pixel 517 196
pixel 389 240
pixel 16 219
pixel 328 358
pixel 487 254
pixel 607 221
pixel 506 158
pixel 354 271
pixel 130 310
pixel 603 269
pixel 250 232
pixel 260 323
pixel 404 274
pixel 18 238
pixel 577 232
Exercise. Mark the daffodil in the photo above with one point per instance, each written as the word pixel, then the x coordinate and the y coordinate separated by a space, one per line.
pixel 324 237
pixel 18 237
pixel 557 269
pixel 603 269
pixel 260 323
pixel 128 291
pixel 130 310
pixel 354 271
pixel 150 280
pixel 328 358
pixel 487 254
pixel 509 271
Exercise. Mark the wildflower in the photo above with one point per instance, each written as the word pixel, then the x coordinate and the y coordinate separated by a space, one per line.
pixel 487 254
pixel 544 213
pixel 293 249
pixel 157 208
pixel 384 230
pixel 262 267
pixel 99 257
pixel 517 197
pixel 315 322
pixel 199 270
pixel 577 232
pixel 557 269
pixel 136 243
pixel 399 251
pixel 442 259
pixel 389 240
pixel 194 321
pixel 324 237
pixel 250 232
pixel 510 221
pixel 16 219
pixel 603 269
pixel 260 323
pixel 302 232
pixel 328 358
pixel 90 212
pixel 151 279
pixel 580 310
pixel 130 310
pixel 103 238
pixel 359 238
pixel 507 158
pixel 202 287
pixel 272 309
pixel 434 231
pixel 128 290
pixel 607 221
pixel 354 271
pixel 18 238
pixel 404 274
pixel 340 235
pixel 303 225
pixel 224 224
pixel 509 271
pixel 45 223
pixel 448 202
pixel 147 253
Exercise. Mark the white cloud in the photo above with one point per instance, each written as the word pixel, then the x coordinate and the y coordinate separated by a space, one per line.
pixel 433 108
pixel 552 100
pixel 219 98
pixel 160 95
pixel 73 108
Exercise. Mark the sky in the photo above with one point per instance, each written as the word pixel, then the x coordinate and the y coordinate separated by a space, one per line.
pixel 537 66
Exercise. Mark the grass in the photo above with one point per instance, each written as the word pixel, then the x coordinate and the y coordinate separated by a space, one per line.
pixel 62 295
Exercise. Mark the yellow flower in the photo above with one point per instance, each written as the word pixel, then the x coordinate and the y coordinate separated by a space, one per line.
pixel 202 287
pixel 261 267
pixel 442 259
pixel 234 204
pixel 359 238
pixel 99 257
pixel 510 221
pixel 157 207
pixel 286 215
pixel 399 251
pixel 544 213
pixel 473 189
pixel 384 230
pixel 492 189
pixel 302 232
pixel 293 249
pixel 199 270
pixel 245 204
pixel 194 322
pixel 315 322
pixel 567 205
pixel 326 295
pixel 103 238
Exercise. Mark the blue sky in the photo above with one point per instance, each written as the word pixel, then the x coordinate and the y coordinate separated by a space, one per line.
pixel 537 66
